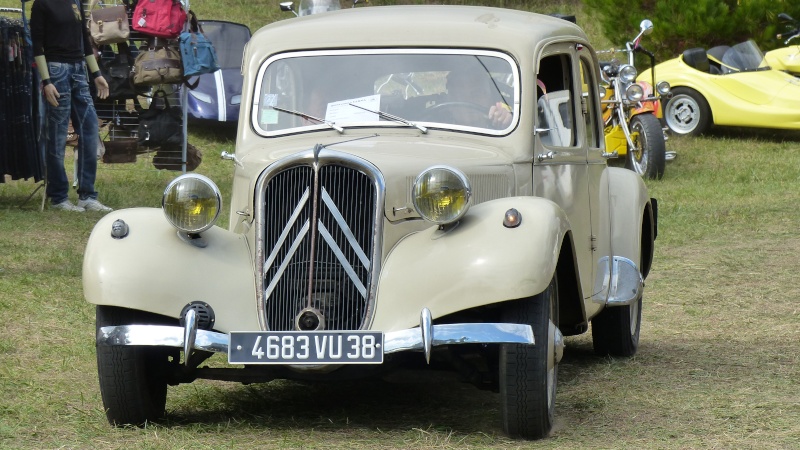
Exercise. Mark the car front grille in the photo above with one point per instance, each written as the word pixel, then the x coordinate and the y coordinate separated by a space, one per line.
pixel 319 242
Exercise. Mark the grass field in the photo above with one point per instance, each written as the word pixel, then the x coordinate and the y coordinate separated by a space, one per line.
pixel 717 366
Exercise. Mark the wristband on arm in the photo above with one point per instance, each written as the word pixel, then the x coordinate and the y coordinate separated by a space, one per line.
pixel 41 65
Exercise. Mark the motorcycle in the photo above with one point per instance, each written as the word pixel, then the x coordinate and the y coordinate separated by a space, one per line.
pixel 786 58
pixel 632 110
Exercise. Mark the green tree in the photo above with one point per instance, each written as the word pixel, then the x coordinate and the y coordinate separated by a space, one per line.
pixel 682 24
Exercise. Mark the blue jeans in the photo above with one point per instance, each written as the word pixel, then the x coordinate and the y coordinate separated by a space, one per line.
pixel 76 103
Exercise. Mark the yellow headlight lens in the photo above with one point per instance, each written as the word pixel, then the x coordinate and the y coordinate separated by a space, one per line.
pixel 192 203
pixel 441 194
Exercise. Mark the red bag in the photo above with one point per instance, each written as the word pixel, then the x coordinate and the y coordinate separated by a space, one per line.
pixel 159 18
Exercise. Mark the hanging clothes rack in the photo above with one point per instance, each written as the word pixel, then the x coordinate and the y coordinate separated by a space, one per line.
pixel 21 156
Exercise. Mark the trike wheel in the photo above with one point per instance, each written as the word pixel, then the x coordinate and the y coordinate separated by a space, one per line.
pixel 687 112
pixel 529 373
pixel 648 157
pixel 133 380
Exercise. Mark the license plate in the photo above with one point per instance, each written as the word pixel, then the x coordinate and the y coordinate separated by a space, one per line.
pixel 306 347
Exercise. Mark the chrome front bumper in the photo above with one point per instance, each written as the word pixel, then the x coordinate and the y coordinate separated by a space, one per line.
pixel 422 338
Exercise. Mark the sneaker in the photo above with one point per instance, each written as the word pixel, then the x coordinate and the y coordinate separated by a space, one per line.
pixel 91 204
pixel 66 205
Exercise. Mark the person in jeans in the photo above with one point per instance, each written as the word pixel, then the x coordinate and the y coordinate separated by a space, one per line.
pixel 62 51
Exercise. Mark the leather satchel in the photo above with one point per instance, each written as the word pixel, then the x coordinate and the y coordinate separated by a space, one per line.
pixel 161 124
pixel 157 65
pixel 108 25
pixel 117 73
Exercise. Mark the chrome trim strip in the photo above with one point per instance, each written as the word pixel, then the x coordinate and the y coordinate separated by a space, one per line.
pixel 296 243
pixel 348 233
pixel 326 235
pixel 394 341
pixel 286 229
pixel 222 112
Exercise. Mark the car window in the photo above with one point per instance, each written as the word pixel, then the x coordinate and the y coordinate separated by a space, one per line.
pixel 439 88
pixel 590 116
pixel 554 106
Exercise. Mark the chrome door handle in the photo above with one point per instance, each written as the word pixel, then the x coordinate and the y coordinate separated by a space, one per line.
pixel 611 155
pixel 549 155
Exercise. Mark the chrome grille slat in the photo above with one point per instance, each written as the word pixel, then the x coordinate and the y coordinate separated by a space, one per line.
pixel 335 201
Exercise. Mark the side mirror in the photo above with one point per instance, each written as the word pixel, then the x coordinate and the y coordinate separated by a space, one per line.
pixel 646 26
pixel 288 6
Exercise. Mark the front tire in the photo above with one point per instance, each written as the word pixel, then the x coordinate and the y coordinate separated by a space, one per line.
pixel 529 373
pixel 133 380
pixel 649 157
pixel 687 112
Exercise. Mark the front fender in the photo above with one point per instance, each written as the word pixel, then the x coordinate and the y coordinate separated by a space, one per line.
pixel 153 269
pixel 478 262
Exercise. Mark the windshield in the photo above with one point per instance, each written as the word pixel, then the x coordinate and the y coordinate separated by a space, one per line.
pixel 742 57
pixel 228 39
pixel 400 88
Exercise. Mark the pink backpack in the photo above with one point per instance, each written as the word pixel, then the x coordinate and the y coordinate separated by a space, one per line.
pixel 159 18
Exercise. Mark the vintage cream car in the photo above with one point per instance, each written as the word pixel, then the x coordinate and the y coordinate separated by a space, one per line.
pixel 414 187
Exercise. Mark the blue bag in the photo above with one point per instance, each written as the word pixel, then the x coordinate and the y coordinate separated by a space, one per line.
pixel 197 52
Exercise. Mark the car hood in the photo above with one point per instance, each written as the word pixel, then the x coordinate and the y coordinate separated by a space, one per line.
pixel 400 159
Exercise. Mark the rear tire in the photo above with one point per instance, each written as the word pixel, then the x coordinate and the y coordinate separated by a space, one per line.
pixel 529 373
pixel 687 112
pixel 615 331
pixel 133 380
pixel 649 157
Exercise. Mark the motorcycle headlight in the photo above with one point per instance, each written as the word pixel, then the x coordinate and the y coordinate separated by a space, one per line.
pixel 627 73
pixel 663 88
pixel 441 194
pixel 634 92
pixel 191 203
pixel 602 91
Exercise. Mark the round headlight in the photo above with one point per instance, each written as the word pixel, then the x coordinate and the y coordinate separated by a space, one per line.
pixel 441 194
pixel 634 92
pixel 191 203
pixel 627 73
pixel 663 87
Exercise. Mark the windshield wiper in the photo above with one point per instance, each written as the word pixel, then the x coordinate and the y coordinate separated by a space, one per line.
pixel 394 118
pixel 306 116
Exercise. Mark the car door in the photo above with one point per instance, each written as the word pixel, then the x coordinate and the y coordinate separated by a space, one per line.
pixel 561 171
pixel 597 170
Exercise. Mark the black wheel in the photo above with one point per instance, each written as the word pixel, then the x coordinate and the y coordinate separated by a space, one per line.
pixel 133 380
pixel 648 158
pixel 529 373
pixel 615 331
pixel 687 112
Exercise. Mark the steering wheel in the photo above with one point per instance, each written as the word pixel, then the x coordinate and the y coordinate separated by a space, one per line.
pixel 446 106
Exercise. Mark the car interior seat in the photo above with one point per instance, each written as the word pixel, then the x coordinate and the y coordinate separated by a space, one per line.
pixel 697 58
pixel 715 58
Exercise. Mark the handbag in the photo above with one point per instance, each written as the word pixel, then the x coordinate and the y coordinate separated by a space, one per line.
pixel 159 18
pixel 117 72
pixel 120 151
pixel 171 158
pixel 157 65
pixel 197 52
pixel 161 124
pixel 108 25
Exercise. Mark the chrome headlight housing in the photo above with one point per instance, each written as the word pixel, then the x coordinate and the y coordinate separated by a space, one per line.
pixel 441 194
pixel 192 203
pixel 634 92
pixel 627 73
pixel 663 87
